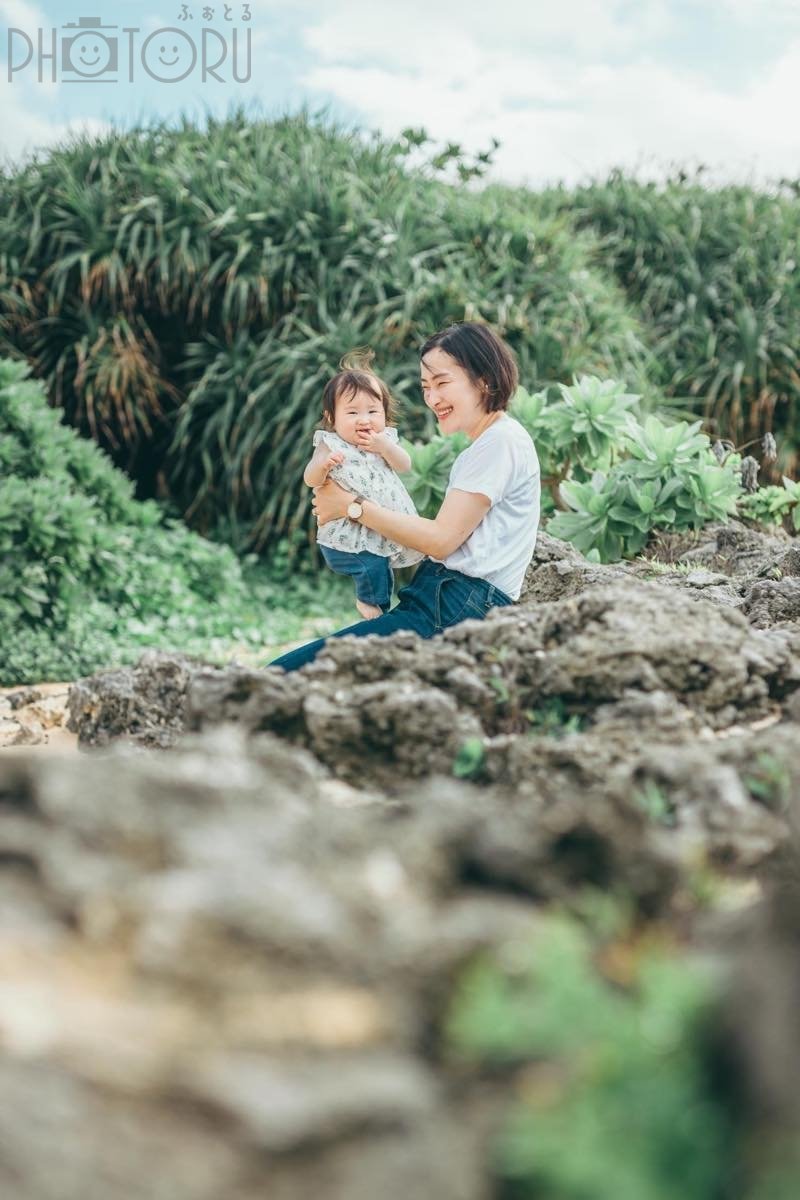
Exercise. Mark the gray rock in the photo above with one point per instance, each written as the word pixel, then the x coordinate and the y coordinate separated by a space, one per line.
pixel 143 704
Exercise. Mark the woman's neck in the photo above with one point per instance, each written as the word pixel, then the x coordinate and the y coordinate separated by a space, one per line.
pixel 487 420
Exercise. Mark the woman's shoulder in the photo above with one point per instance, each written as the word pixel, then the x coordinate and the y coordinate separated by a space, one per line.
pixel 523 439
pixel 510 432
pixel 505 432
pixel 503 452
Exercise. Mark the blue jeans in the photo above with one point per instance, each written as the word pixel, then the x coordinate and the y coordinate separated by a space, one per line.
pixel 371 572
pixel 436 598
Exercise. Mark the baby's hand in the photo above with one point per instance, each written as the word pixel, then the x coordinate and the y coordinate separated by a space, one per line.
pixel 367 439
pixel 332 460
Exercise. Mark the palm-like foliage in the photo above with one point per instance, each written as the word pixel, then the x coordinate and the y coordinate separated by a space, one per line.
pixel 189 290
pixel 715 276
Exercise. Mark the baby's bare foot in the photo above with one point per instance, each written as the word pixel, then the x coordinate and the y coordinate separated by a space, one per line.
pixel 368 611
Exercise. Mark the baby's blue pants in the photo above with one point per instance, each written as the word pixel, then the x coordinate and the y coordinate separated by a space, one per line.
pixel 371 572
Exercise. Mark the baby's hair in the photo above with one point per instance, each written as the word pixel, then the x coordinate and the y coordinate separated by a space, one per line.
pixel 356 375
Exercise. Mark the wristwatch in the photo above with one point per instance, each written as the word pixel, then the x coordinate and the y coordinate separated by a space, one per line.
pixel 354 508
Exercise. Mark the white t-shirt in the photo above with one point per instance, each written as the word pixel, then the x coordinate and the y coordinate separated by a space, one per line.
pixel 502 464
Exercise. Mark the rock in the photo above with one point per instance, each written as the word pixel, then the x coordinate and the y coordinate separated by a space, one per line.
pixel 378 709
pixel 144 704
pixel 759 1027
pixel 704 579
pixel 730 547
pixel 789 563
pixel 770 602
pixel 34 716
pixel 22 698
pixel 30 733
pixel 203 954
pixel 229 977
pixel 233 962
pixel 301 1102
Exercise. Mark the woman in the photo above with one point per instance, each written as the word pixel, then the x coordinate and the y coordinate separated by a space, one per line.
pixel 480 543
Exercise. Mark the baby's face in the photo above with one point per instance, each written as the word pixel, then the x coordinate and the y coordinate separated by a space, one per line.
pixel 362 411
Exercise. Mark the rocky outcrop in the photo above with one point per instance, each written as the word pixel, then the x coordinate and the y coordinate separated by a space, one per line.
pixel 722 648
pixel 229 966
pixel 225 970
pixel 34 716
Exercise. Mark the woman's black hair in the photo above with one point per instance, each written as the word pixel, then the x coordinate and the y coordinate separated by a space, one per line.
pixel 487 359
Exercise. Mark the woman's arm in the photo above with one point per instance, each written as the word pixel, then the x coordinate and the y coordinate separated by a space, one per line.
pixel 460 514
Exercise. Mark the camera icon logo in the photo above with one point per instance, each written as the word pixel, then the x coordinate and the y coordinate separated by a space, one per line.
pixel 88 52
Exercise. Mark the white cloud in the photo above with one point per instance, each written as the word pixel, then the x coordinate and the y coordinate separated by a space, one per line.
pixel 22 130
pixel 24 125
pixel 553 87
pixel 647 116
pixel 447 34
pixel 152 22
pixel 19 14
pixel 754 11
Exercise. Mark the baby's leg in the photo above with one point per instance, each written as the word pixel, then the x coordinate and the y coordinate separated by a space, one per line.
pixel 373 585
pixel 365 569
pixel 343 562
pixel 368 611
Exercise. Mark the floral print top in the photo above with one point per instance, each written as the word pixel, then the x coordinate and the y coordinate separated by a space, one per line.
pixel 369 475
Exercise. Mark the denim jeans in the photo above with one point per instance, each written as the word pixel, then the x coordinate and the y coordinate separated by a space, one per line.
pixel 371 572
pixel 436 598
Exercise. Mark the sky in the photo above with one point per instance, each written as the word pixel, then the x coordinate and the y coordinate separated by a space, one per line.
pixel 570 88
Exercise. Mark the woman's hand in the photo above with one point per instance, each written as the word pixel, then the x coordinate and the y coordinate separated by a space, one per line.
pixel 330 501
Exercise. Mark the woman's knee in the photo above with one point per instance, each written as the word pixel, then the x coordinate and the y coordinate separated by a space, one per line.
pixel 292 660
pixel 392 622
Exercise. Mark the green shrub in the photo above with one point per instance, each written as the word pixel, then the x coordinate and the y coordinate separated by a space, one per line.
pixel 607 1036
pixel 90 577
pixel 772 505
pixel 430 469
pixel 470 759
pixel 672 480
pixel 550 717
pixel 69 516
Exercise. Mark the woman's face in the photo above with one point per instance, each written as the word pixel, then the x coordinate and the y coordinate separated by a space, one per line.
pixel 362 411
pixel 458 403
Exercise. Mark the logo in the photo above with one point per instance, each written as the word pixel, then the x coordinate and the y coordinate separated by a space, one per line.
pixel 90 51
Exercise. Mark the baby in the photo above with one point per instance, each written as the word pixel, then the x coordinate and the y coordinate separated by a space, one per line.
pixel 359 449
